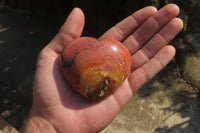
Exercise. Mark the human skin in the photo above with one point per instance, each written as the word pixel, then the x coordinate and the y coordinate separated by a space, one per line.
pixel 57 108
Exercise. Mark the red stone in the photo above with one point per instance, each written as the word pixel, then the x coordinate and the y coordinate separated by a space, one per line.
pixel 95 68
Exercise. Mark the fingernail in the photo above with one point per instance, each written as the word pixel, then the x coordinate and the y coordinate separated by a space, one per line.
pixel 75 10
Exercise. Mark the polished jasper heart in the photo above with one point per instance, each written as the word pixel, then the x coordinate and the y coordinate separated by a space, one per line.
pixel 95 68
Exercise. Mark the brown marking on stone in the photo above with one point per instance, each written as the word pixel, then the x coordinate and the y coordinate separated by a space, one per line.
pixel 104 88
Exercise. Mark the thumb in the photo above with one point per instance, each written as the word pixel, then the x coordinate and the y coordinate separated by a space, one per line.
pixel 71 29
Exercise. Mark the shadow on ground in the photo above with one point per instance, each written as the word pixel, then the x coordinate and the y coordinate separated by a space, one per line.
pixel 21 39
pixel 186 102
pixel 183 101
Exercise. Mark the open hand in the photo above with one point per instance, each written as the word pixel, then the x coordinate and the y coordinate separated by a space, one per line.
pixel 58 108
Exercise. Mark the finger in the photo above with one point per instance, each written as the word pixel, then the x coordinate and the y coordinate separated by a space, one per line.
pixel 71 29
pixel 136 80
pixel 142 75
pixel 150 27
pixel 161 39
pixel 123 94
pixel 146 72
pixel 124 28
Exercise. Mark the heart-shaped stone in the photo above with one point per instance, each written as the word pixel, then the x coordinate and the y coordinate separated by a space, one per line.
pixel 95 68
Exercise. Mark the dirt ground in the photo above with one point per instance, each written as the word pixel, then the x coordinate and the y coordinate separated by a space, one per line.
pixel 22 36
pixel 21 39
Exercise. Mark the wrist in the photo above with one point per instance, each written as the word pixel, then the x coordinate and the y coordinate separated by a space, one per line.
pixel 37 124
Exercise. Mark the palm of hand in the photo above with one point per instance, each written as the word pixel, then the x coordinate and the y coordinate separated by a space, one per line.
pixel 65 109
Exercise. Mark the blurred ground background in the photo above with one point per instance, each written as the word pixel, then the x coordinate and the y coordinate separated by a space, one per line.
pixel 170 103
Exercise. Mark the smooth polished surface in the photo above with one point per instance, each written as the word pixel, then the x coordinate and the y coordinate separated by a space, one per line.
pixel 95 68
